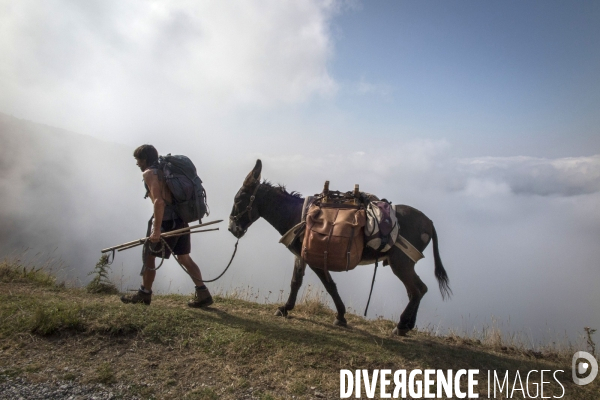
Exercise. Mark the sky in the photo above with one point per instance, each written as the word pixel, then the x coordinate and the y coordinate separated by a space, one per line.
pixel 484 115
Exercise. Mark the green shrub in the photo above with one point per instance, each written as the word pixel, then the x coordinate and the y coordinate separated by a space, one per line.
pixel 101 282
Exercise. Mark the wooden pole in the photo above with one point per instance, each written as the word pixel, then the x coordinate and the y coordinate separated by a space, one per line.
pixel 167 236
pixel 140 241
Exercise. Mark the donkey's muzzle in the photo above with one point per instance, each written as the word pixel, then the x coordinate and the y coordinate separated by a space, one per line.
pixel 235 229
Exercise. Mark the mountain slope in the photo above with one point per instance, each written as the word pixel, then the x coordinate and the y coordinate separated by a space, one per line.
pixel 233 350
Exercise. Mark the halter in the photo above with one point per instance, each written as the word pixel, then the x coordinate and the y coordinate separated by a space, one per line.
pixel 248 209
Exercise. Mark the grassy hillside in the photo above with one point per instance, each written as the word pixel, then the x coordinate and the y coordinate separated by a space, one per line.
pixel 232 350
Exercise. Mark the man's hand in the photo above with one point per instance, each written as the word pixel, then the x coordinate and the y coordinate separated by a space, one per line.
pixel 155 235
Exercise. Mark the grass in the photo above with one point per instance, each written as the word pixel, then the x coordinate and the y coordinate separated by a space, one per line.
pixel 235 349
pixel 202 394
pixel 12 271
pixel 105 374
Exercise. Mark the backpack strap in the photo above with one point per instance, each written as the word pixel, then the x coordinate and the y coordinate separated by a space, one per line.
pixel 198 207
pixel 155 168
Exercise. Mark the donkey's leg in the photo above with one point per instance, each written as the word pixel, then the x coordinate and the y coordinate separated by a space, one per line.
pixel 331 288
pixel 423 289
pixel 404 268
pixel 297 276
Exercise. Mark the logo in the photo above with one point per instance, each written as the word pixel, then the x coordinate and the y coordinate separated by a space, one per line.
pixel 582 368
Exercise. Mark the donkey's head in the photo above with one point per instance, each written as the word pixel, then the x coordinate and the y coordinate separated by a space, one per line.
pixel 244 211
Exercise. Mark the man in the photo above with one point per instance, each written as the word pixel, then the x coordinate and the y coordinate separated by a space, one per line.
pixel 163 220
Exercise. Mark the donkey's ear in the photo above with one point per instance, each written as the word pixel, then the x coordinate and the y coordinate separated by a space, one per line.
pixel 254 175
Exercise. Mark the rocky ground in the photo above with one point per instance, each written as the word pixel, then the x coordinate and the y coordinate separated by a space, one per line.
pixel 18 388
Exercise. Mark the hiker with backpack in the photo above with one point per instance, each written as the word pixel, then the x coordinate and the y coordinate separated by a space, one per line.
pixel 178 197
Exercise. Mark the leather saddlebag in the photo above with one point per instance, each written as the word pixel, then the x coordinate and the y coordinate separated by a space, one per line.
pixel 334 236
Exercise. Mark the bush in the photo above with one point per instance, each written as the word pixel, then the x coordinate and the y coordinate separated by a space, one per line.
pixel 101 282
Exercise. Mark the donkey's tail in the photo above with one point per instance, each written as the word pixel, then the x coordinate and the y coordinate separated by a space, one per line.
pixel 440 272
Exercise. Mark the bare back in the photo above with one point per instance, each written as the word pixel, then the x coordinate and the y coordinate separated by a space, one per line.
pixel 157 188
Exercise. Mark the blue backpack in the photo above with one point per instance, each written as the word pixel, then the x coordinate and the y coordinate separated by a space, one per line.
pixel 189 196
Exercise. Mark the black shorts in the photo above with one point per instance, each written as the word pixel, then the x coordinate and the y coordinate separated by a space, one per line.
pixel 179 244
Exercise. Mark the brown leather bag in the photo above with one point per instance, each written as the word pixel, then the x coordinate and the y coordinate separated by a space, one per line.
pixel 334 237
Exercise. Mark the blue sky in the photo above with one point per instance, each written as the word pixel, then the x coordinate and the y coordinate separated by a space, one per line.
pixel 495 78
pixel 484 115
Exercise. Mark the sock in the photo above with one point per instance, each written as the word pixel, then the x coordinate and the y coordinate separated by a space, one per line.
pixel 203 287
pixel 143 289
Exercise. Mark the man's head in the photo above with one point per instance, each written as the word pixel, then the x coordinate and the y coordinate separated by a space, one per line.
pixel 145 155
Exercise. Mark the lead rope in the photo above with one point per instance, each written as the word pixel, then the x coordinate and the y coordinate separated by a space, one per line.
pixel 372 284
pixel 164 243
pixel 154 252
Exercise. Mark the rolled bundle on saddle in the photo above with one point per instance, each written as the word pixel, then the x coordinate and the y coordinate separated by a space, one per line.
pixel 334 233
pixel 382 228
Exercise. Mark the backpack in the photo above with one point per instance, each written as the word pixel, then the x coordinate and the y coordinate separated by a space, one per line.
pixel 189 196
pixel 381 229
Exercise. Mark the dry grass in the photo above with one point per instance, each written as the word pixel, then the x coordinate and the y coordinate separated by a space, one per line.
pixel 497 336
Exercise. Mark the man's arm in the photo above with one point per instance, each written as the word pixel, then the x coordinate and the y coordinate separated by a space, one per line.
pixel 151 180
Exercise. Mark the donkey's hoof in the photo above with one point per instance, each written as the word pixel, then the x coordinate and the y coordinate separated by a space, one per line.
pixel 341 323
pixel 400 332
pixel 281 312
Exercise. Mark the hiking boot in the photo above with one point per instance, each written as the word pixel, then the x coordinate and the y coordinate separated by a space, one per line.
pixel 139 297
pixel 202 298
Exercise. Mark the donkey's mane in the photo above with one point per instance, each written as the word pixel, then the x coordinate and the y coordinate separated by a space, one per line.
pixel 282 189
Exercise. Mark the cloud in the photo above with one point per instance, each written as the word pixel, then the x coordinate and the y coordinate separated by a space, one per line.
pixel 374 168
pixel 426 165
pixel 537 176
pixel 100 61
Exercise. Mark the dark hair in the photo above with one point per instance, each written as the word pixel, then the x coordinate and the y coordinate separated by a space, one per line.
pixel 146 152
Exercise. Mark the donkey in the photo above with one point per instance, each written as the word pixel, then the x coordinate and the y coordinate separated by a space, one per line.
pixel 283 211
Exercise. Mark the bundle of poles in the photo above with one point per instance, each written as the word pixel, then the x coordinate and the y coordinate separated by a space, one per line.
pixel 178 232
